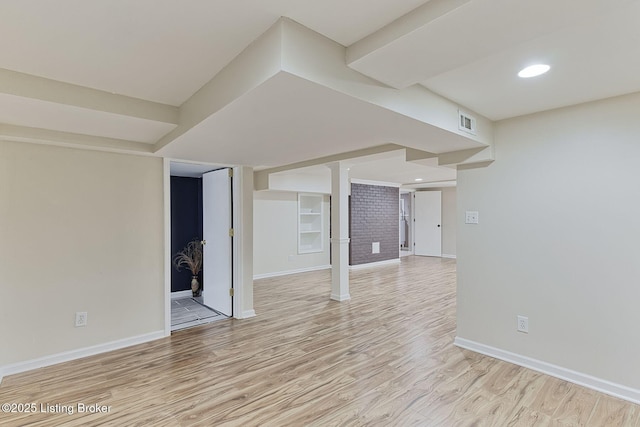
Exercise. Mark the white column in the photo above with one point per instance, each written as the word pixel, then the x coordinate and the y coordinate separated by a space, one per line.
pixel 339 231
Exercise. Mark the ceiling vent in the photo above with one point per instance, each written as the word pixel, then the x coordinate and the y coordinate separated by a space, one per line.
pixel 466 122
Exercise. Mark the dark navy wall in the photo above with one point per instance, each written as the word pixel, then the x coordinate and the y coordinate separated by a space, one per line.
pixel 186 223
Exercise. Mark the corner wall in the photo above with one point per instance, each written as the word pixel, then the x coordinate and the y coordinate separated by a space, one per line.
pixel 275 245
pixel 79 231
pixel 557 242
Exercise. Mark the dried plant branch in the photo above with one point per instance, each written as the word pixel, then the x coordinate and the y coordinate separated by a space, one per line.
pixel 190 257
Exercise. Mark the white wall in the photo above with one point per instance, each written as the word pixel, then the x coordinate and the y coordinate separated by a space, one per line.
pixel 243 242
pixel 449 221
pixel 79 231
pixel 558 240
pixel 275 225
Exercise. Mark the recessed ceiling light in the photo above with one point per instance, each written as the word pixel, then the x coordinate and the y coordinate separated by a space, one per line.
pixel 418 179
pixel 533 70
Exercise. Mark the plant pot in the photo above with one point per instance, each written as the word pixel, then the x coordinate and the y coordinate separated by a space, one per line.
pixel 195 286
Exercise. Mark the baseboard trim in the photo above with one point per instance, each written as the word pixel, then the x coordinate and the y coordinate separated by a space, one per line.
pixel 375 264
pixel 585 380
pixel 181 294
pixel 340 298
pixel 288 272
pixel 67 356
pixel 247 314
pixel 448 256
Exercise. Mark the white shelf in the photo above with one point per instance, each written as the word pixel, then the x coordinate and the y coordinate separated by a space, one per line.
pixel 310 223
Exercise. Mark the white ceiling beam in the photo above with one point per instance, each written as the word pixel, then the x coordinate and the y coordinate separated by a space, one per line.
pixel 290 49
pixel 262 181
pixel 312 56
pixel 474 157
pixel 68 139
pixel 252 67
pixel 405 25
pixel 261 178
pixel 402 32
pixel 39 88
pixel 411 155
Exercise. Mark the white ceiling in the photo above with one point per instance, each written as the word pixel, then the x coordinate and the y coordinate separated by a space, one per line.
pixel 307 122
pixel 592 58
pixel 391 168
pixel 164 51
pixel 20 111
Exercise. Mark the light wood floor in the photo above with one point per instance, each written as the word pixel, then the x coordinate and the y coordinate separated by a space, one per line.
pixel 385 358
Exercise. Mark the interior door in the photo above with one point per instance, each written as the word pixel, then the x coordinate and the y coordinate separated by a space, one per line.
pixel 217 258
pixel 428 221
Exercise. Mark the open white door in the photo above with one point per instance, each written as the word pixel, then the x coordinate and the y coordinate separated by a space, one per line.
pixel 217 259
pixel 428 217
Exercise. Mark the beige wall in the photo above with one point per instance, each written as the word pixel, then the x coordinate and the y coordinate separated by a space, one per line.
pixel 557 240
pixel 275 245
pixel 79 231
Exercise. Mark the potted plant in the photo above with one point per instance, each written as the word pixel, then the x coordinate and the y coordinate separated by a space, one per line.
pixel 191 258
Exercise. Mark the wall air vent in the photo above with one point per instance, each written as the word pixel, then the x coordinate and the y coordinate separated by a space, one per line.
pixel 466 122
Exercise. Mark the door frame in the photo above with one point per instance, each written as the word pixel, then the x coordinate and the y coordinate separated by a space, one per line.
pixel 237 267
pixel 410 192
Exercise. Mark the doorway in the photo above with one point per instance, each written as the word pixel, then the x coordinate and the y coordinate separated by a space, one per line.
pixel 406 224
pixel 201 211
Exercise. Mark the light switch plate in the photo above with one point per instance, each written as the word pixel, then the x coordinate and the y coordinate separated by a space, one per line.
pixel 471 217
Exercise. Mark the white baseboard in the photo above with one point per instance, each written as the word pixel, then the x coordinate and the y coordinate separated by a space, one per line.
pixel 286 273
pixel 598 384
pixel 375 264
pixel 448 256
pixel 181 294
pixel 67 356
pixel 246 314
pixel 340 298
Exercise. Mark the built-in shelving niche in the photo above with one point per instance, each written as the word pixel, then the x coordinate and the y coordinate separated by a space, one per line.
pixel 310 223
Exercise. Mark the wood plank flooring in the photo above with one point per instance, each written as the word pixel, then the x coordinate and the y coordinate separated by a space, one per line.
pixel 385 358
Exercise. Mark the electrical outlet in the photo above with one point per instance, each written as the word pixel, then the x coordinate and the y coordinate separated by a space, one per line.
pixel 81 318
pixel 523 324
